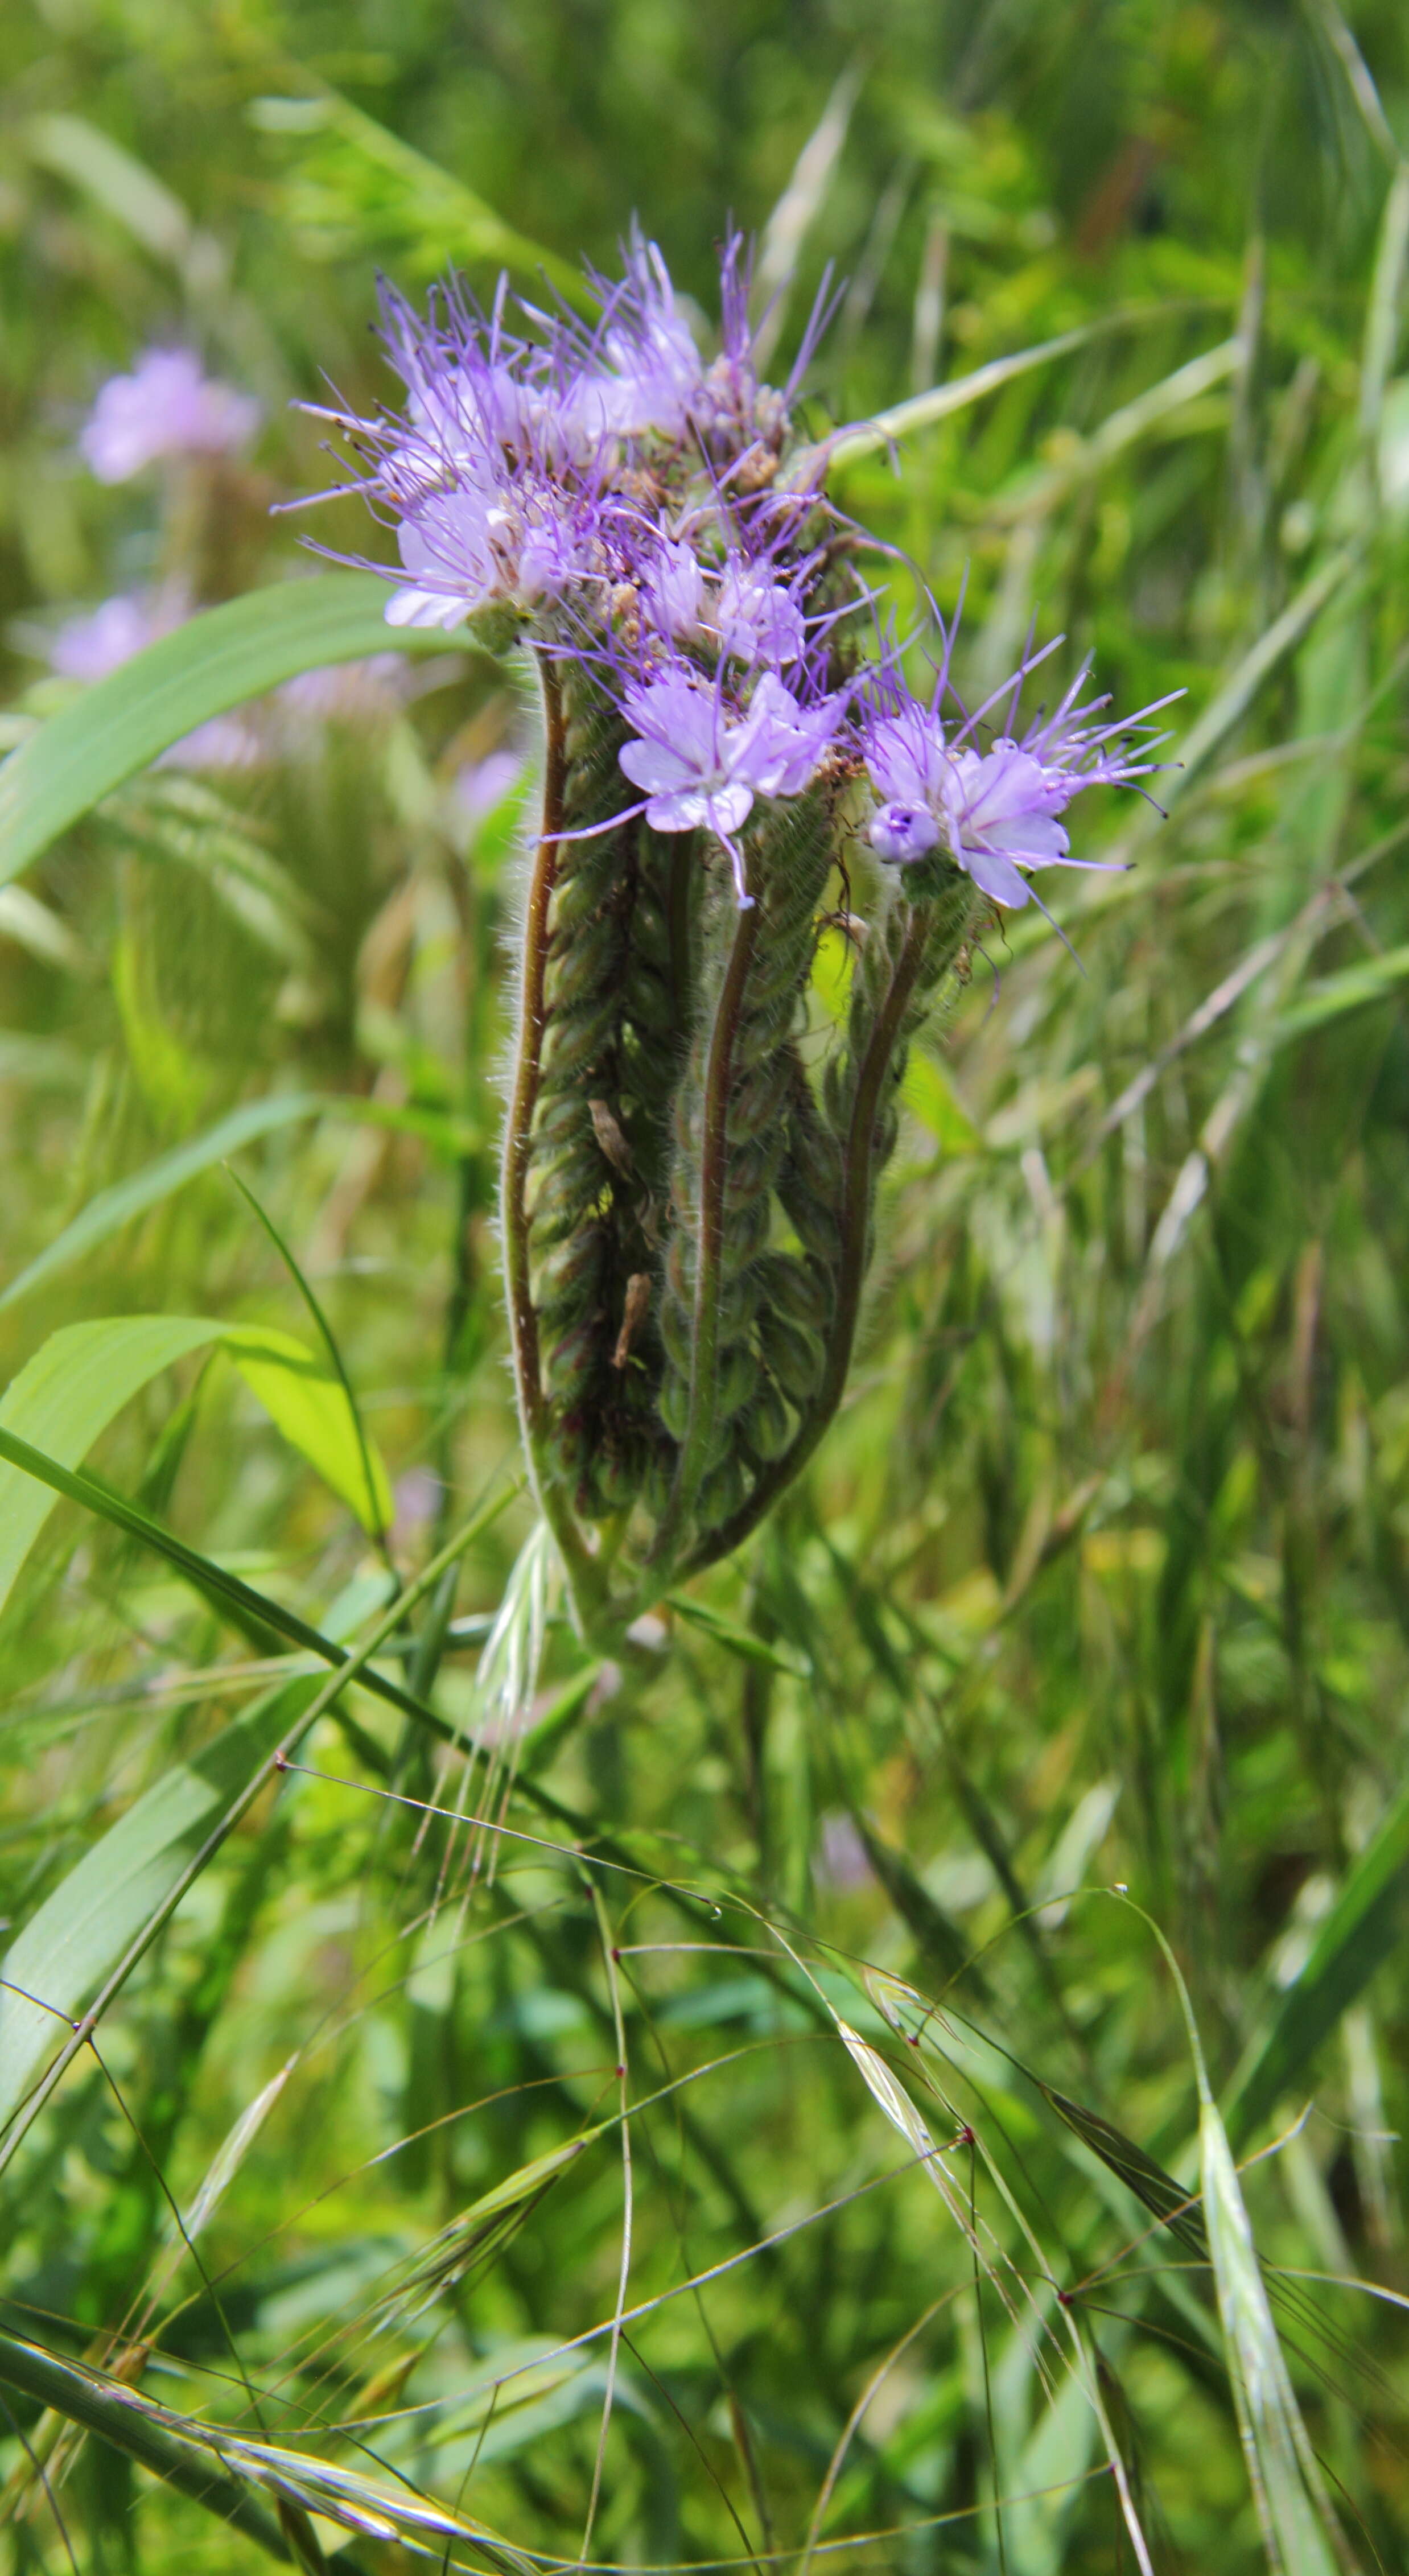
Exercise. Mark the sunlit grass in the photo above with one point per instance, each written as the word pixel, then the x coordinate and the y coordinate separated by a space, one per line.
pixel 1099 1582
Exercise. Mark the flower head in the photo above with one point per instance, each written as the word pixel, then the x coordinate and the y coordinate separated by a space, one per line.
pixel 702 763
pixel 995 811
pixel 166 407
pixel 758 619
pixel 494 487
pixel 642 374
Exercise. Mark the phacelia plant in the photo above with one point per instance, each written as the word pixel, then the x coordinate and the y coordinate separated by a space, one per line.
pixel 688 1201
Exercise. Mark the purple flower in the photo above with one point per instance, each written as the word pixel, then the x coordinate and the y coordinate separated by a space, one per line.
pixel 89 647
pixel 642 374
pixel 702 764
pixel 494 491
pixel 166 407
pixel 901 832
pixel 365 692
pixel 995 811
pixel 759 621
pixel 672 588
pixel 842 1865
pixel 484 784
pixel 791 741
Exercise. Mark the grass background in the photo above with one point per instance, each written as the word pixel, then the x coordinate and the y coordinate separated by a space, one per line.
pixel 1100 1581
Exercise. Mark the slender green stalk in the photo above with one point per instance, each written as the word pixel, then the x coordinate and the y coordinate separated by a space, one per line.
pixel 352 1668
pixel 139 2429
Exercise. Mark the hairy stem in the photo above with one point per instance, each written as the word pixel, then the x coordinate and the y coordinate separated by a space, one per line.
pixel 518 1132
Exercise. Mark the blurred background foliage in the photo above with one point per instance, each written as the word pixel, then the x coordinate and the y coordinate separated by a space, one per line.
pixel 1102 1580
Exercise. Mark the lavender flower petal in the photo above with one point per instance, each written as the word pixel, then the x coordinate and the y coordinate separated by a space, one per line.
pixel 166 407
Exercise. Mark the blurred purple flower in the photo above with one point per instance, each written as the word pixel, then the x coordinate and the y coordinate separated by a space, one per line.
pixel 91 646
pixel 672 587
pixel 349 692
pixel 483 784
pixel 417 1498
pixel 165 407
pixel 842 1865
pixel 759 621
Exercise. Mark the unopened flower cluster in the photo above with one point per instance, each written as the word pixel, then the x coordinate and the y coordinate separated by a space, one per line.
pixel 608 493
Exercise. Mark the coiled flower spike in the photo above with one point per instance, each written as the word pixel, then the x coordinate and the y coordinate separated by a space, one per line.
pixel 688 1212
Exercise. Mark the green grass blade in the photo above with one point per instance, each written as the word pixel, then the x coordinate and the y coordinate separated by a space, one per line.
pixel 230 2475
pixel 1370 979
pixel 113 1208
pixel 1367 1920
pixel 1300 2533
pixel 66 1395
pixel 1297 2526
pixel 354 172
pixel 923 410
pixel 214 662
pixel 1152 2186
pixel 376 1506
pixel 738 1641
pixel 145 2432
pixel 310 1704
pixel 84 1374
pixel 1230 703
pixel 116 180
pixel 66 1951
pixel 247 1609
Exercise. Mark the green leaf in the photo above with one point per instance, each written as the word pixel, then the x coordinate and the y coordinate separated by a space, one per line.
pixel 84 1374
pixel 1298 2529
pixel 116 1207
pixel 1371 979
pixel 357 183
pixel 929 1095
pixel 66 1395
pixel 738 1641
pixel 83 1930
pixel 308 1405
pixel 1368 1918
pixel 214 662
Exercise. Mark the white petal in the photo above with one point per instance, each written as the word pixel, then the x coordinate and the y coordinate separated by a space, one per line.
pixel 658 768
pixel 426 608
